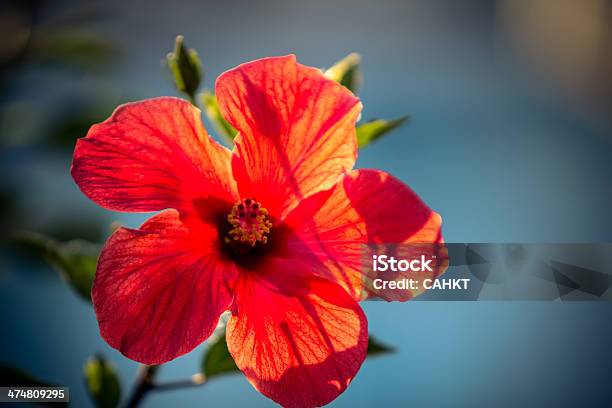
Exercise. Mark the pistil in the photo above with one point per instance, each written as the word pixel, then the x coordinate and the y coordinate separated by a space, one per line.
pixel 250 221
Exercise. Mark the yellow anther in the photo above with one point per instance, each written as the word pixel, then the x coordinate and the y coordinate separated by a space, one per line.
pixel 250 222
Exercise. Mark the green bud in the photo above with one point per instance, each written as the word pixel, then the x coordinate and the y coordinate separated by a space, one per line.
pixel 186 68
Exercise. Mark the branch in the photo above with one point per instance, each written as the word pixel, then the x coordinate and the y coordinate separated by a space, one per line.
pixel 144 383
pixel 195 380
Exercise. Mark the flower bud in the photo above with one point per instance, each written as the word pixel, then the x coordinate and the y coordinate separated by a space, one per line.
pixel 185 67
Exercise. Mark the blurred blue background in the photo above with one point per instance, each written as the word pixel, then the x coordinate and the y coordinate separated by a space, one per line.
pixel 510 141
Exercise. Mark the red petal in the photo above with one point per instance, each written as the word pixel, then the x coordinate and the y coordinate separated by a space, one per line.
pixel 152 155
pixel 298 341
pixel 297 130
pixel 159 291
pixel 331 229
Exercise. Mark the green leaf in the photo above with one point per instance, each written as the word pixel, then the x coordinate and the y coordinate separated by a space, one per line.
pixel 75 260
pixel 102 382
pixel 347 72
pixel 211 108
pixel 376 348
pixel 74 49
pixel 74 118
pixel 372 130
pixel 10 376
pixel 15 377
pixel 186 68
pixel 218 360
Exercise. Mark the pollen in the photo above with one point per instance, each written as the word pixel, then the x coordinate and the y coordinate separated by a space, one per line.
pixel 250 221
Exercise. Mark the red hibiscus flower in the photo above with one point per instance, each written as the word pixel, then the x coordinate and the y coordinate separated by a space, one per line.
pixel 272 231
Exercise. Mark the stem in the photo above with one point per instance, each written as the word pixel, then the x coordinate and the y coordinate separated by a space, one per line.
pixel 194 381
pixel 144 383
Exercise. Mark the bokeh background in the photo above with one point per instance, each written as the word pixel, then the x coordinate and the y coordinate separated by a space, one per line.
pixel 510 141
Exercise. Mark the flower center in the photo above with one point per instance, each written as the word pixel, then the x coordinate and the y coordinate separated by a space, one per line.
pixel 250 221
